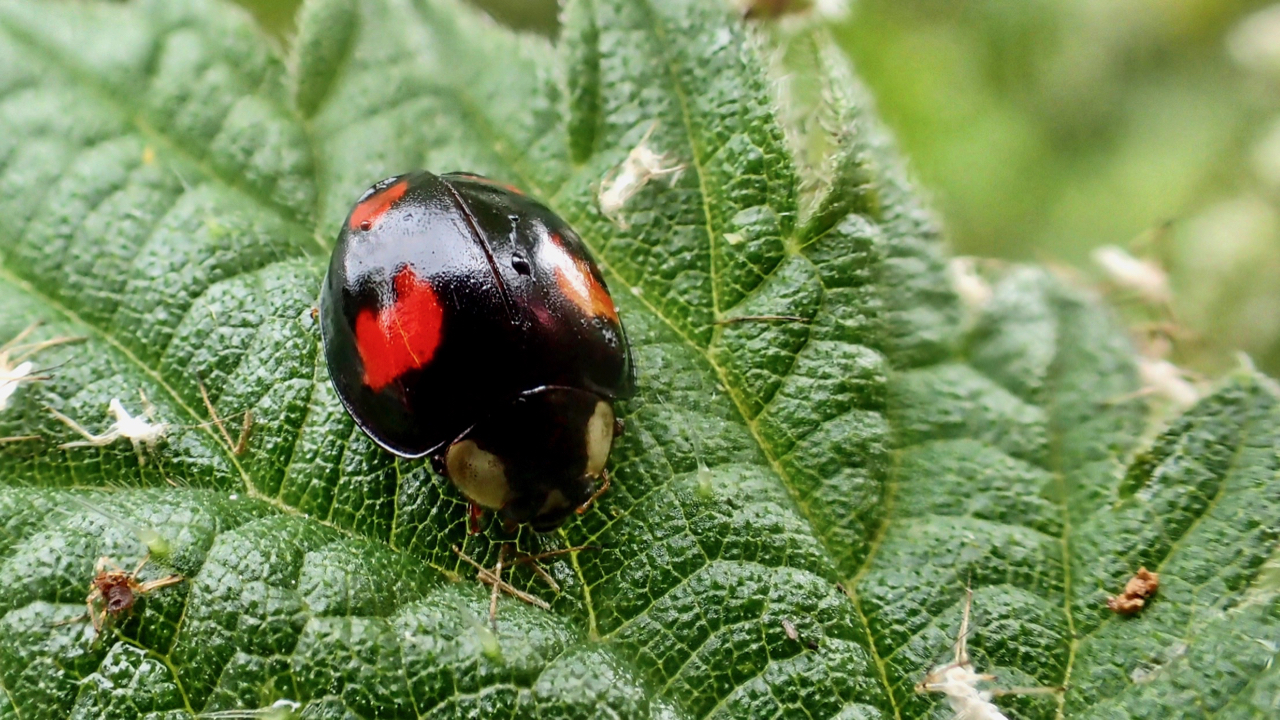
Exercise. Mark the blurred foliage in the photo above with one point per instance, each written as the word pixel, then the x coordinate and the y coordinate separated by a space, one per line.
pixel 538 15
pixel 1046 128
pixel 1049 127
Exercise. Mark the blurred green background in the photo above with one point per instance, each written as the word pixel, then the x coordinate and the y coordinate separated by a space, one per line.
pixel 1045 128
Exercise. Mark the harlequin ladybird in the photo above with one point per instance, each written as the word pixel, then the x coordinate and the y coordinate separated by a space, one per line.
pixel 465 322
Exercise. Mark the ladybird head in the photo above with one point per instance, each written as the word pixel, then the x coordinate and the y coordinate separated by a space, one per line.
pixel 537 461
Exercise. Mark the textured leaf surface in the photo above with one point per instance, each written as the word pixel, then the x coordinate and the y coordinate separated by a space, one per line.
pixel 171 186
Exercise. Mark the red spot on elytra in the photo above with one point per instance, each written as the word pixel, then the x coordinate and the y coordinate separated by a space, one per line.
pixel 375 206
pixel 402 337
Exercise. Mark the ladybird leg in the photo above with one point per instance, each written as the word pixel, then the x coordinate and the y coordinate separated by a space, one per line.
pixel 94 594
pixel 962 645
pixel 473 519
pixel 604 486
pixel 90 440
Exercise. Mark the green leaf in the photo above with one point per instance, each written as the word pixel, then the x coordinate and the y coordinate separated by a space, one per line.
pixel 172 185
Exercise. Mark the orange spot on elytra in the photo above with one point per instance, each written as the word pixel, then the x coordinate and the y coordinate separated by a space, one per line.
pixel 400 338
pixel 366 214
pixel 579 283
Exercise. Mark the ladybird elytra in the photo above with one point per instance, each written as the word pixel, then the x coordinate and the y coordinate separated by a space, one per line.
pixel 466 322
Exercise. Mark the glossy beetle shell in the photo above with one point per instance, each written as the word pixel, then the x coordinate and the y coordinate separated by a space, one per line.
pixel 449 297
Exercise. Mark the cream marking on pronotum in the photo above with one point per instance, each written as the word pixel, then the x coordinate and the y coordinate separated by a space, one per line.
pixel 958 681
pixel 479 474
pixel 1168 381
pixel 599 438
pixel 822 10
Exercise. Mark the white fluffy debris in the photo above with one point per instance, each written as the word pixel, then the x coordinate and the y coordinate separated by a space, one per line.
pixel 140 431
pixel 821 9
pixel 278 710
pixel 1255 42
pixel 10 377
pixel 15 367
pixel 832 9
pixel 974 291
pixel 623 182
pixel 1168 381
pixel 958 681
pixel 1144 278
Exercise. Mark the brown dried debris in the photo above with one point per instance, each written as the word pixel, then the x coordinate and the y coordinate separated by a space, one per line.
pixel 1136 592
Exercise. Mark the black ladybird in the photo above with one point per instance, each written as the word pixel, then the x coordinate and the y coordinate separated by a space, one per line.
pixel 466 322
